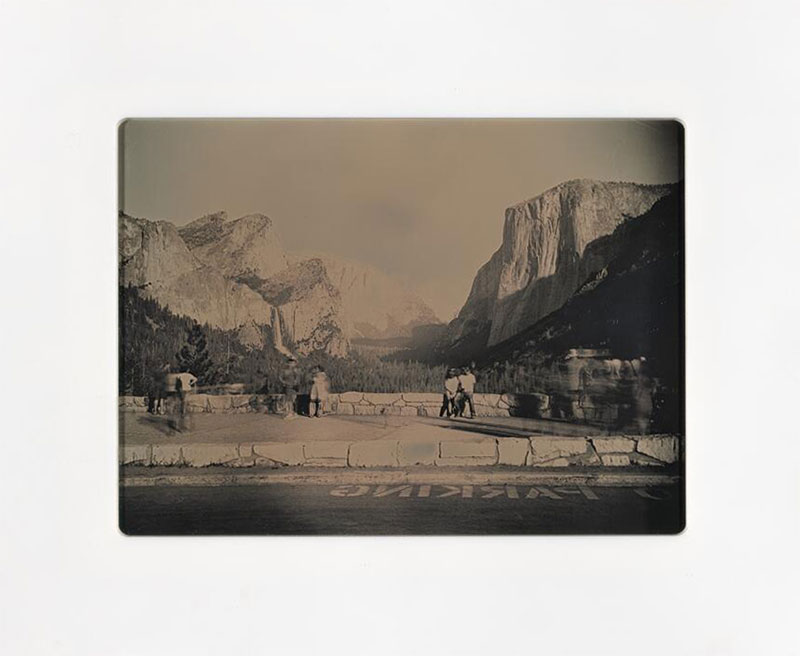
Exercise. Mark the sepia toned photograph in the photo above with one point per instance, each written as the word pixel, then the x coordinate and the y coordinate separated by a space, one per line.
pixel 401 326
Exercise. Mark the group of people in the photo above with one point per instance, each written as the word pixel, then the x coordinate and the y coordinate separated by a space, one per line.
pixel 459 389
pixel 292 380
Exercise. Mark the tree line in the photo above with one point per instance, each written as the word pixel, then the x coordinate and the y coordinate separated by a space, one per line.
pixel 153 339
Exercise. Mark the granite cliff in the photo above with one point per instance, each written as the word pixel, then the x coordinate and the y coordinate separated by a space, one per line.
pixel 543 258
pixel 236 274
pixel 248 246
pixel 154 258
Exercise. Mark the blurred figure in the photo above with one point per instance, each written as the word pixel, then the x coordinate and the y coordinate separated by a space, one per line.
pixel 643 392
pixel 450 391
pixel 466 383
pixel 157 392
pixel 290 379
pixel 320 388
pixel 184 385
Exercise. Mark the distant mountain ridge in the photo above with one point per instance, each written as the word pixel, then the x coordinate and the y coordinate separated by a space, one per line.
pixel 377 305
pixel 237 274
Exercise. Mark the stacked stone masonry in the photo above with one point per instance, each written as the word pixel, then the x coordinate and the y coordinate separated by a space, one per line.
pixel 405 404
pixel 538 451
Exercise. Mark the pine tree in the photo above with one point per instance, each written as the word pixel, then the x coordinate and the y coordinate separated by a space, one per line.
pixel 194 358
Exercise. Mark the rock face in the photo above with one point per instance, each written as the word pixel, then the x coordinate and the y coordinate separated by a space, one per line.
pixel 154 258
pixel 236 274
pixel 245 248
pixel 309 308
pixel 539 264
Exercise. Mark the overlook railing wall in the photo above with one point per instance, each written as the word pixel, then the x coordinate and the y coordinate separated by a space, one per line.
pixel 581 408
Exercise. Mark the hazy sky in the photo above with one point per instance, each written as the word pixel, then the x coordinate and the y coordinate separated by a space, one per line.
pixel 422 200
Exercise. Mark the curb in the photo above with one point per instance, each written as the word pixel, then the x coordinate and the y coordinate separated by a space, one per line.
pixel 548 451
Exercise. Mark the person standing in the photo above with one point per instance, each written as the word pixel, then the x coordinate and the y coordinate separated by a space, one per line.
pixel 466 381
pixel 290 379
pixel 450 391
pixel 320 388
pixel 184 385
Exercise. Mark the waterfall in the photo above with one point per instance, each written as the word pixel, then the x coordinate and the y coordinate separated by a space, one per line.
pixel 277 334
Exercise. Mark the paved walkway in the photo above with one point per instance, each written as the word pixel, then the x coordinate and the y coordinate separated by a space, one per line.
pixel 142 428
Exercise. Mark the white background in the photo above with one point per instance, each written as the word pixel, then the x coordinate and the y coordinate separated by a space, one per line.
pixel 70 583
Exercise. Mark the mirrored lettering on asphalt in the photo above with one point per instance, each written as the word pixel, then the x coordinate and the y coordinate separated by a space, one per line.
pixel 441 491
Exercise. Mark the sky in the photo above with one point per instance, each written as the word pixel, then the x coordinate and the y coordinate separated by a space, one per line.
pixel 423 200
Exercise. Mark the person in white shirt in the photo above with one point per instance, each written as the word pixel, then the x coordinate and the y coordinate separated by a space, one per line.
pixel 320 388
pixel 466 382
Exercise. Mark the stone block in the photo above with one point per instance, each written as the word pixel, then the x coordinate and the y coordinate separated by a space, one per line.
pixel 344 408
pixel 615 459
pixel 326 462
pixel 135 454
pixel 133 402
pixel 466 462
pixel 663 448
pixel 258 402
pixel 326 449
pixel 556 462
pixel 482 410
pixel 351 397
pixel 507 401
pixel 417 453
pixel 167 454
pixel 392 410
pixel 415 398
pixel 492 400
pixel 239 401
pixel 512 450
pixel 373 454
pixel 399 402
pixel 478 448
pixel 197 402
pixel 364 410
pixel 376 398
pixel 613 444
pixel 218 403
pixel 547 448
pixel 203 455
pixel 471 453
pixel 589 458
pixel 408 411
pixel 326 453
pixel 641 459
pixel 284 453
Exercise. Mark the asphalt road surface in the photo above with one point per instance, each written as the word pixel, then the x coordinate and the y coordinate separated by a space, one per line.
pixel 400 509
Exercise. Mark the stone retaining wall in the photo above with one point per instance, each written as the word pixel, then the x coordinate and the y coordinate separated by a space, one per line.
pixel 589 410
pixel 406 404
pixel 537 451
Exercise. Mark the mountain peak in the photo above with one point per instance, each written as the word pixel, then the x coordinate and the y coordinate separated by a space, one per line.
pixel 245 247
pixel 203 230
pixel 536 268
